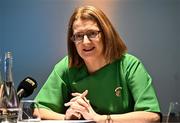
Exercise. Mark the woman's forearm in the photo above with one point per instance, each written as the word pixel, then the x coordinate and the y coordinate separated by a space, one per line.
pixel 48 114
pixel 132 117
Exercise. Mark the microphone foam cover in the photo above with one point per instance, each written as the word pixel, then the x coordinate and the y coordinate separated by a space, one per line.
pixel 28 84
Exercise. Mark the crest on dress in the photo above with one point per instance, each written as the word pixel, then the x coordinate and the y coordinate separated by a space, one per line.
pixel 118 91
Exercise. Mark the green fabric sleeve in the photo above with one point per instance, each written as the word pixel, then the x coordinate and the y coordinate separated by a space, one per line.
pixel 140 86
pixel 54 92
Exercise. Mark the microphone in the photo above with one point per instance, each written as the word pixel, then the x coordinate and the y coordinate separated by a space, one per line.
pixel 26 87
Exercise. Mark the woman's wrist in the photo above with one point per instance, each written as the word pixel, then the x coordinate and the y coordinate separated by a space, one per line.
pixel 100 118
pixel 103 119
pixel 108 119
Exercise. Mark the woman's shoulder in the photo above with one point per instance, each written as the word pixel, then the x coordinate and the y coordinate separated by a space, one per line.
pixel 62 64
pixel 129 61
pixel 128 58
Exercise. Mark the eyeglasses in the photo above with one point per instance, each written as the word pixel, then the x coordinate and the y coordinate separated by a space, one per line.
pixel 91 35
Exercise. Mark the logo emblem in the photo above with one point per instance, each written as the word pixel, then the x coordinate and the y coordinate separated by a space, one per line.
pixel 118 91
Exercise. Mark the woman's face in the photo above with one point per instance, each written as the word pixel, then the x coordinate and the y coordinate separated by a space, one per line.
pixel 87 39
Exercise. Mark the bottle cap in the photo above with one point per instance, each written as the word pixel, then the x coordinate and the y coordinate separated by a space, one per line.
pixel 8 55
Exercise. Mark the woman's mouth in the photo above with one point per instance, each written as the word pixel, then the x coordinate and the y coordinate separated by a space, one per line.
pixel 89 49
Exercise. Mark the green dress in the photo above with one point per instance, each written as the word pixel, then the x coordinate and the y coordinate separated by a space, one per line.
pixel 120 87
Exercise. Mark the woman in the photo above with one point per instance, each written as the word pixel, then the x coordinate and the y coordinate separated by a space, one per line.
pixel 98 80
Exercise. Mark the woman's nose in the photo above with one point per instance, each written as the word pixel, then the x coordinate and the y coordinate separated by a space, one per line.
pixel 86 39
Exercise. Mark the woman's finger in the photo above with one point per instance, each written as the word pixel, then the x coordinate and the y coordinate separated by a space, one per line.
pixel 83 102
pixel 78 95
pixel 84 94
pixel 81 95
pixel 72 114
pixel 68 104
pixel 78 106
pixel 74 99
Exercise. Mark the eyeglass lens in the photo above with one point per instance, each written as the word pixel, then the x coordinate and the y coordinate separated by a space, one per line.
pixel 91 35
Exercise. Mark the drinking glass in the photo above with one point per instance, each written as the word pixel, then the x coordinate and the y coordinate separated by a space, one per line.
pixel 174 112
pixel 26 109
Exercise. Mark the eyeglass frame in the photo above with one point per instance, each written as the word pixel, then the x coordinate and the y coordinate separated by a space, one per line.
pixel 85 34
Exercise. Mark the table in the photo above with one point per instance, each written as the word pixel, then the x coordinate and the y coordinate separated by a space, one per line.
pixel 63 121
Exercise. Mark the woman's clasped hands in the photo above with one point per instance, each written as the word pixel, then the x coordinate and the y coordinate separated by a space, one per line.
pixel 79 108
